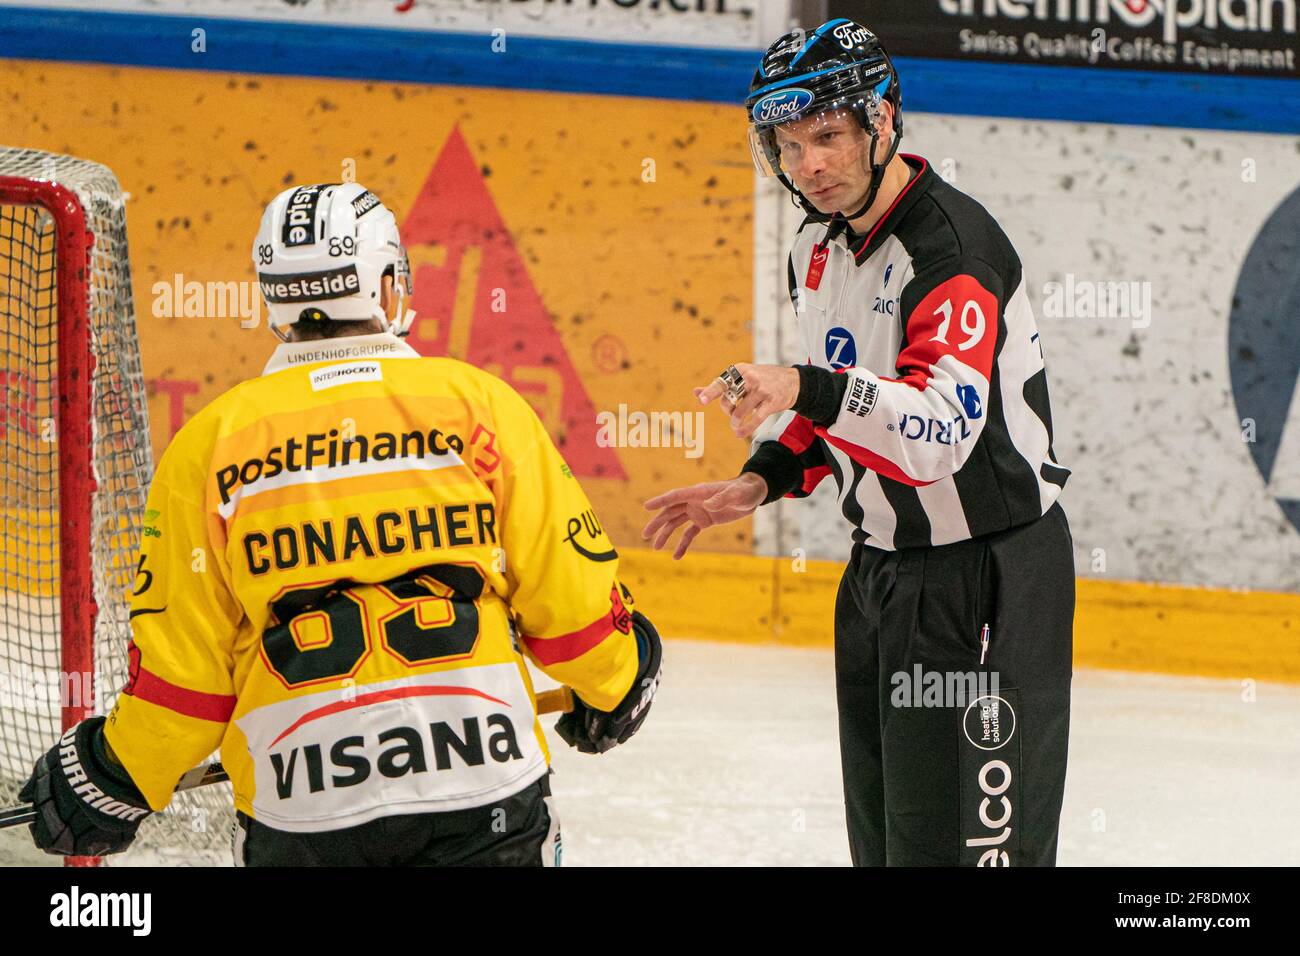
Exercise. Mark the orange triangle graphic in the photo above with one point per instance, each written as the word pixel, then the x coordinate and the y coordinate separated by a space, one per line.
pixel 475 301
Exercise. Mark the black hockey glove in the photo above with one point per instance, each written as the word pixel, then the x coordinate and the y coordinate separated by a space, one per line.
pixel 85 804
pixel 595 731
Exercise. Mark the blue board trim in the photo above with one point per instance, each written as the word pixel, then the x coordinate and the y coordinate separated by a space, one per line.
pixel 1255 104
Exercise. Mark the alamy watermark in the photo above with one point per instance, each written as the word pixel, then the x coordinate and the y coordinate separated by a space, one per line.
pixel 921 688
pixel 636 429
pixel 191 299
pixel 75 908
pixel 42 691
pixel 1088 299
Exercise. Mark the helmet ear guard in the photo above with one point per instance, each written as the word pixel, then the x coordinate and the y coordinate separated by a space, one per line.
pixel 403 288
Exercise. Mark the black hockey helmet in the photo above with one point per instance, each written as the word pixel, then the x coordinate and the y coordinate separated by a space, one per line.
pixel 839 66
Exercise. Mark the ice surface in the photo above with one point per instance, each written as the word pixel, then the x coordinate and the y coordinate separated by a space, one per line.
pixel 738 764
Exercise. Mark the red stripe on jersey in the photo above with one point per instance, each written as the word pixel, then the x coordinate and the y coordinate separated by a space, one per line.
pixel 567 647
pixel 877 463
pixel 188 703
pixel 379 697
pixel 798 435
pixel 894 205
pixel 812 477
pixel 958 318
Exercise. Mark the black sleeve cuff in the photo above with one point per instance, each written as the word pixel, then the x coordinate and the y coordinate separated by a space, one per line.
pixel 107 766
pixel 821 394
pixel 778 466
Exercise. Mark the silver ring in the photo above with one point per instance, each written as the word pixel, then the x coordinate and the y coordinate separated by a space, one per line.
pixel 735 383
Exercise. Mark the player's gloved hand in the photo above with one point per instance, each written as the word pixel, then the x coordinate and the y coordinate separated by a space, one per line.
pixel 595 731
pixel 85 804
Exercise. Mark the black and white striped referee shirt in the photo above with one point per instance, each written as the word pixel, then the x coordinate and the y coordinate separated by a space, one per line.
pixel 925 394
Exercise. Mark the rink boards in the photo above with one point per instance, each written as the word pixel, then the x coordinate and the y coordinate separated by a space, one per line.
pixel 606 253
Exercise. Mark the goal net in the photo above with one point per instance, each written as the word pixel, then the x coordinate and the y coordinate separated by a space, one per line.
pixel 75 472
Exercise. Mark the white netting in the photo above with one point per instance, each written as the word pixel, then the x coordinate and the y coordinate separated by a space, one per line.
pixel 196 827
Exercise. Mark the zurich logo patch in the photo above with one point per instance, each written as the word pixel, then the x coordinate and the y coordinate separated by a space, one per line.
pixel 841 350
pixel 969 397
pixel 889 271
pixel 781 105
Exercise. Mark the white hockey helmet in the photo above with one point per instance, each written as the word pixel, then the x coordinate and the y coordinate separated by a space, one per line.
pixel 321 254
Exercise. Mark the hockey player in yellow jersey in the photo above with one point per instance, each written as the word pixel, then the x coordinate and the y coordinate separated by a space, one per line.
pixel 344 564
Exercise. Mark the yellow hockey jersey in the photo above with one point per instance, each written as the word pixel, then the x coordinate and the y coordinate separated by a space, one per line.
pixel 342 562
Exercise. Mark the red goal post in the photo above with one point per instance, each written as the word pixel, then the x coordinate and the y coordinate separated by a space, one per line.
pixel 74 364
pixel 74 438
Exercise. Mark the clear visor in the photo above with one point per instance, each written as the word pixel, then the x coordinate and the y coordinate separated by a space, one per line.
pixel 828 136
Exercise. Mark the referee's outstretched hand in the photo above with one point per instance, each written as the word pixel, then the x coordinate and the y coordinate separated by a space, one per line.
pixel 702 506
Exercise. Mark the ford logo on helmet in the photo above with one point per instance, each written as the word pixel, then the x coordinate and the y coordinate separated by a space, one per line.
pixel 781 105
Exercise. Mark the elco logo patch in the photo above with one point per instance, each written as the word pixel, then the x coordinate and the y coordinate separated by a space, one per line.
pixel 989 771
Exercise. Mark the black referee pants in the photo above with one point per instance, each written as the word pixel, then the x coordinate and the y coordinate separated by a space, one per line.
pixel 949 760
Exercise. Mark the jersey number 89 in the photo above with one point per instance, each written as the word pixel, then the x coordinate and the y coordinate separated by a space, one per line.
pixel 436 619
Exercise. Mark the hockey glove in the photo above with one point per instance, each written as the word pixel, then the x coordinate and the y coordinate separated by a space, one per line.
pixel 85 804
pixel 595 731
